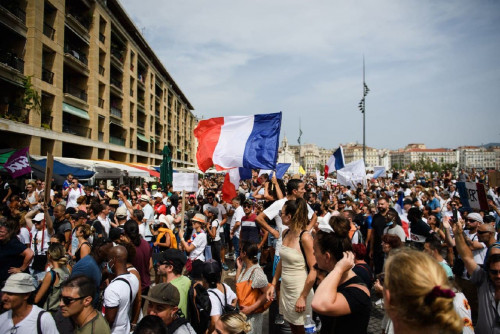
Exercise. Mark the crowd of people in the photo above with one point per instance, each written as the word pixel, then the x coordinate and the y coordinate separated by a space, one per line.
pixel 120 259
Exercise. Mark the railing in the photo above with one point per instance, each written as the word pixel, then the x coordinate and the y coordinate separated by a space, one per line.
pixel 102 38
pixel 116 83
pixel 101 70
pixel 83 21
pixel 118 54
pixel 76 53
pixel 157 113
pixel 116 141
pixel 140 101
pixel 101 103
pixel 48 31
pixel 100 136
pixel 11 60
pixel 76 92
pixel 116 112
pixel 141 124
pixel 47 75
pixel 13 7
pixel 77 130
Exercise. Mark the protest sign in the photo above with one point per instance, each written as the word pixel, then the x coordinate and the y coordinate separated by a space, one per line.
pixel 185 181
pixel 472 195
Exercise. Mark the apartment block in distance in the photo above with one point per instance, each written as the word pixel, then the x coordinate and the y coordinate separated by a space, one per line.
pixel 103 93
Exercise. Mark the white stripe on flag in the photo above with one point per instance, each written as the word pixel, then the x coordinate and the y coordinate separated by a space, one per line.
pixel 232 141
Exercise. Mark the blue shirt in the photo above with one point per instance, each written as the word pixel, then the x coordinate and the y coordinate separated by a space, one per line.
pixel 434 204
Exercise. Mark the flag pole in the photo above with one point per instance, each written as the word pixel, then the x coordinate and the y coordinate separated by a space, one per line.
pixel 364 111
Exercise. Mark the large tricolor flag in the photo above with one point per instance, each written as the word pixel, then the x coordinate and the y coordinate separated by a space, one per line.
pixel 280 170
pixel 335 162
pixel 232 182
pixel 238 141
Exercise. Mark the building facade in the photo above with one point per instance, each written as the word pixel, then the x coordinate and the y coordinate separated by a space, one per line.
pixel 477 157
pixel 353 152
pixel 100 91
pixel 287 155
pixel 414 153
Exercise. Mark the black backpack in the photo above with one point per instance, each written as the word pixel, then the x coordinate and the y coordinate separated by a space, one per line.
pixel 199 307
pixel 226 308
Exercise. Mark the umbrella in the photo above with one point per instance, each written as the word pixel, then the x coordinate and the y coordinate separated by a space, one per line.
pixel 166 168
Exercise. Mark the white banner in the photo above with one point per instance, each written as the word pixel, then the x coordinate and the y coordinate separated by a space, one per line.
pixel 185 181
pixel 352 174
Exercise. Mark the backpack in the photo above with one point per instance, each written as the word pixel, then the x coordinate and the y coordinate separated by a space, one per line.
pixel 199 307
pixel 226 308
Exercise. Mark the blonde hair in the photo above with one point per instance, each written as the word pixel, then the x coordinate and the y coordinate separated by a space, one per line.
pixel 236 323
pixel 57 254
pixel 411 278
pixel 87 230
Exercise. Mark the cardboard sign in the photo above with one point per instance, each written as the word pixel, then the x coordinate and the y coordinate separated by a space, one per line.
pixel 494 178
pixel 185 181
pixel 472 195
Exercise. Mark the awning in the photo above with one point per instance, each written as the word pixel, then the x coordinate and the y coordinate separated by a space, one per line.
pixel 75 111
pixel 151 172
pixel 142 137
pixel 64 170
pixel 116 123
pixel 153 140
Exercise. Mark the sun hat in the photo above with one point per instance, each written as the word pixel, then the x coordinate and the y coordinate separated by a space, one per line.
pixel 144 198
pixel 19 283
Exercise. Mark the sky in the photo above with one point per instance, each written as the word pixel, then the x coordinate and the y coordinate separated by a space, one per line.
pixel 432 67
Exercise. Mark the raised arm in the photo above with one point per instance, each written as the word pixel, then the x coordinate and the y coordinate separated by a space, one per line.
pixel 463 249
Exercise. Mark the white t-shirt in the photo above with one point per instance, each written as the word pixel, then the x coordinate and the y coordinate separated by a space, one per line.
pixel 142 230
pixel 37 237
pixel 117 294
pixel 478 254
pixel 149 215
pixel 200 242
pixel 29 324
pixel 238 214
pixel 105 222
pixel 216 304
pixel 24 236
pixel 396 230
pixel 73 195
pixel 274 212
pixel 216 223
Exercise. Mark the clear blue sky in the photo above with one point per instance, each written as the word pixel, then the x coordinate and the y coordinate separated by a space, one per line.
pixel 433 67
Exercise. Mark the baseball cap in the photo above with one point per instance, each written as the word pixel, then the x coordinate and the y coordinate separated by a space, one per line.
pixel 19 283
pixel 172 256
pixel 144 198
pixel 475 216
pixel 121 212
pixel 39 217
pixel 213 210
pixel 154 187
pixel 157 195
pixel 115 233
pixel 164 293
pixel 79 214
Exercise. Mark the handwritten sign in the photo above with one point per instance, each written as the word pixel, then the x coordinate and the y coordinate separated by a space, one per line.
pixel 472 195
pixel 185 181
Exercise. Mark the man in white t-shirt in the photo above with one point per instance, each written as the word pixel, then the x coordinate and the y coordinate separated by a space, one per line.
pixel 21 317
pixel 149 216
pixel 120 303
pixel 234 229
pixel 295 189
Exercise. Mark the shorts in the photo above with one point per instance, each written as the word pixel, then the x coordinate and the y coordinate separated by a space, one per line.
pixel 271 240
pixel 222 238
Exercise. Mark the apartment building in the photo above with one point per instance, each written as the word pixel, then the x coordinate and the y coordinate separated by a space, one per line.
pixel 100 91
pixel 477 157
pixel 354 152
pixel 414 153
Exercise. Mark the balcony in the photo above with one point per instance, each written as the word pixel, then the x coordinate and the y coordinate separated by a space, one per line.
pixel 79 25
pixel 15 113
pixel 75 92
pixel 116 112
pixel 11 60
pixel 49 31
pixel 13 8
pixel 77 130
pixel 115 86
pixel 141 102
pixel 131 92
pixel 101 103
pixel 117 56
pixel 141 124
pixel 102 38
pixel 116 140
pixel 47 76
pixel 77 59
pixel 101 70
pixel 141 80
pixel 76 53
pixel 157 113
pixel 100 136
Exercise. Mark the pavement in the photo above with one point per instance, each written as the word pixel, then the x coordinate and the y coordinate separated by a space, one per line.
pixel 376 315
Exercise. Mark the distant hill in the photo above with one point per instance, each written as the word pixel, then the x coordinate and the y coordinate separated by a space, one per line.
pixel 491 145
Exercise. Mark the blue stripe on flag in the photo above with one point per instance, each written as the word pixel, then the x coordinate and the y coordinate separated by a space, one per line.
pixel 339 159
pixel 245 173
pixel 464 197
pixel 261 149
pixel 281 170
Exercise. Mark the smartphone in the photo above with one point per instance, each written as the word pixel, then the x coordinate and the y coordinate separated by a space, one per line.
pixel 455 215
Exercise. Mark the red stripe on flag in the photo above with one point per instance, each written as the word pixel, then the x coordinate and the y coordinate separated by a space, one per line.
pixel 481 195
pixel 228 189
pixel 207 132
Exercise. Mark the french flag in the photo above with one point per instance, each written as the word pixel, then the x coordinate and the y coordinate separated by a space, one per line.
pixel 238 141
pixel 335 162
pixel 232 182
pixel 402 215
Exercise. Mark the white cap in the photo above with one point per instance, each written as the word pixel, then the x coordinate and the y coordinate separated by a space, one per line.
pixel 39 217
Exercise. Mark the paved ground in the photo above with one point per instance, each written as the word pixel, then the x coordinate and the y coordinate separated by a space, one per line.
pixel 377 313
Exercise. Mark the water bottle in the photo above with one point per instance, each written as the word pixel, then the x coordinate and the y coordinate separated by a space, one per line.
pixel 309 326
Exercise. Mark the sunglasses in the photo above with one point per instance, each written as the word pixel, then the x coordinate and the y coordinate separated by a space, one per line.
pixel 247 205
pixel 483 232
pixel 471 220
pixel 69 300
pixel 494 272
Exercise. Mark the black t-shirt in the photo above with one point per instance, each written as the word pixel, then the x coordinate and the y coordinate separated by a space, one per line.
pixel 365 273
pixel 378 226
pixel 10 256
pixel 360 305
pixel 61 226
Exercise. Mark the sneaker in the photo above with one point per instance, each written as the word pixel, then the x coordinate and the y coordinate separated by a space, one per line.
pixel 225 267
pixel 229 256
pixel 232 272
pixel 279 320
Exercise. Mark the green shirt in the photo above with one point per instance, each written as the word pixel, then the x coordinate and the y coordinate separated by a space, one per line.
pixel 98 325
pixel 182 283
